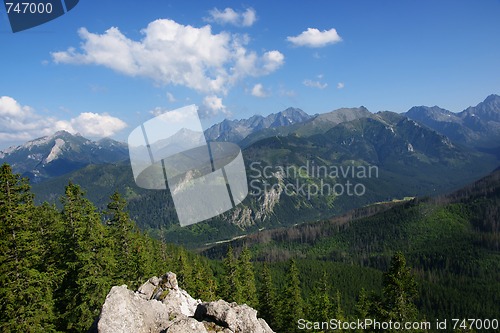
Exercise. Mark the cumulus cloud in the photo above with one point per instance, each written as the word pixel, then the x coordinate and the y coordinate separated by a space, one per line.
pixel 340 85
pixel 21 123
pixel 259 91
pixel 312 37
pixel 315 84
pixel 172 53
pixel 230 16
pixel 96 125
pixel 213 105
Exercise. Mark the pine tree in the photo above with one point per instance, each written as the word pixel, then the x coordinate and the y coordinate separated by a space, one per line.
pixel 400 291
pixel 363 305
pixel 88 261
pixel 338 312
pixel 203 281
pixel 125 242
pixel 246 277
pixel 185 272
pixel 268 301
pixel 321 308
pixel 231 286
pixel 26 303
pixel 292 304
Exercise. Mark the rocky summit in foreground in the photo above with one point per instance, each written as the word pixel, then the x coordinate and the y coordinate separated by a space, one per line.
pixel 160 306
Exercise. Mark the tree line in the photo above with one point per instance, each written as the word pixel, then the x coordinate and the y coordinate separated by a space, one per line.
pixel 57 265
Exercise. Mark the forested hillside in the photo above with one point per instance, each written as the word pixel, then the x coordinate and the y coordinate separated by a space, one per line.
pixel 451 241
pixel 58 265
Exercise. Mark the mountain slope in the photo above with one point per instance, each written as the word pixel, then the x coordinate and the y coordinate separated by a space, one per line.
pixel 451 241
pixel 294 179
pixel 477 126
pixel 315 125
pixel 61 153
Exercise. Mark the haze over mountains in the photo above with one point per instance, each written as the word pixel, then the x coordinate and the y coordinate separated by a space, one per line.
pixel 477 126
pixel 424 155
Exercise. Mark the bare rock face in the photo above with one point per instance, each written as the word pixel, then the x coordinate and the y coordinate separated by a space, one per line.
pixel 124 312
pixel 160 306
pixel 237 318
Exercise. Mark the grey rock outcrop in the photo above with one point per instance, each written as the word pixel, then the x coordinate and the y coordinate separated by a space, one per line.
pixel 237 318
pixel 160 306
pixel 125 311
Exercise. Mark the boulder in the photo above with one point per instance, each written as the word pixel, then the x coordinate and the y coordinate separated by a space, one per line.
pixel 160 306
pixel 237 318
pixel 125 312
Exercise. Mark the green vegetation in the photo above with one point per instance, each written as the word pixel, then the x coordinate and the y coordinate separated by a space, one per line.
pixel 430 165
pixel 450 241
pixel 56 266
pixel 416 260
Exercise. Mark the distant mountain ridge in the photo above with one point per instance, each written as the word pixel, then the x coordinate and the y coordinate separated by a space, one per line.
pixel 411 159
pixel 61 153
pixel 317 124
pixel 477 126
pixel 237 130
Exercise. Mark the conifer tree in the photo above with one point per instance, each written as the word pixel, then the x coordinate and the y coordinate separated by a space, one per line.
pixel 26 303
pixel 231 286
pixel 246 277
pixel 292 304
pixel 321 306
pixel 89 261
pixel 400 291
pixel 268 301
pixel 125 242
pixel 362 309
pixel 203 281
pixel 185 272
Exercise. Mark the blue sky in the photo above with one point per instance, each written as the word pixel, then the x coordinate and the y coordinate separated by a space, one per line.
pixel 107 66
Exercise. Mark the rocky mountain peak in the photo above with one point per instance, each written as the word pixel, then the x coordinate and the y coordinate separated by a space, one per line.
pixel 488 110
pixel 160 306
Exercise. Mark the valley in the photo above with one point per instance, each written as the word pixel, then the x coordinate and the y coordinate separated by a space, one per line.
pixel 410 159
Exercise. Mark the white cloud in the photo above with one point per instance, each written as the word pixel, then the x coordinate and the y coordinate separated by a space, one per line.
pixel 97 125
pixel 230 16
pixel 314 38
pixel 172 53
pixel 249 17
pixel 315 84
pixel 214 104
pixel 272 60
pixel 158 111
pixel 22 123
pixel 171 98
pixel 259 91
pixel 340 85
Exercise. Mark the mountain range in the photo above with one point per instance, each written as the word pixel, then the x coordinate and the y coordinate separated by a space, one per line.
pixel 451 241
pixel 407 156
pixel 477 126
pixel 237 130
pixel 61 153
